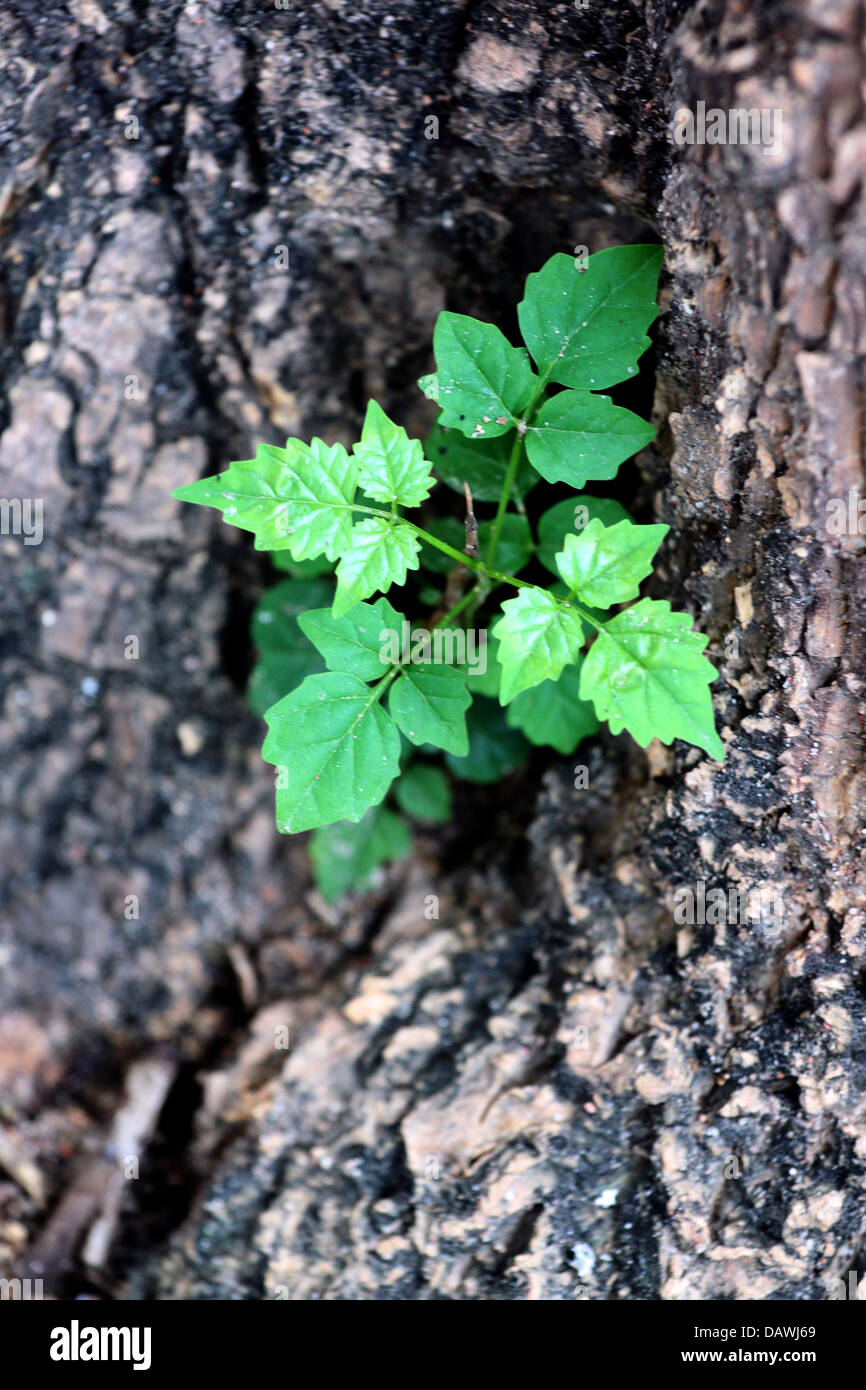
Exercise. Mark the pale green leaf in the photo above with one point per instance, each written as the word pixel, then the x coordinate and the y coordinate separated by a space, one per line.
pixel 606 564
pixel 392 466
pixel 587 328
pixel 335 749
pixel 346 856
pixel 552 714
pixel 377 554
pixel 297 499
pixel 568 518
pixel 537 637
pixel 577 436
pixel 483 382
pixel 430 386
pixel 645 673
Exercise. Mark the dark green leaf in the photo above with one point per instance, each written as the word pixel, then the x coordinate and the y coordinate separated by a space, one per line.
pixel 346 856
pixel 423 793
pixel 494 749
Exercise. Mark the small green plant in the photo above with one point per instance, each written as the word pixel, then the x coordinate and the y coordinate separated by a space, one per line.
pixel 352 692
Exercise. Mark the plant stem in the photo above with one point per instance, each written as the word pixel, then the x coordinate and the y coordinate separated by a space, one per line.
pixel 505 495
pixel 484 570
pixel 458 608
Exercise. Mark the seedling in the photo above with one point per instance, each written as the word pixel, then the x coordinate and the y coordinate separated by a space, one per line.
pixel 357 697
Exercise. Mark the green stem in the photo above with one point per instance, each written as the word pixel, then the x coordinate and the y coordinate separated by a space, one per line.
pixel 514 464
pixel 484 570
pixel 505 495
pixel 458 608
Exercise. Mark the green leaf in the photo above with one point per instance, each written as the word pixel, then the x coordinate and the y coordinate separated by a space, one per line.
pixel 274 617
pixel 481 463
pixel 346 856
pixel 606 564
pixel 298 498
pixel 450 530
pixel 577 436
pixel 301 569
pixel 424 794
pixel 430 597
pixel 335 748
pixel 285 655
pixel 494 749
pixel 429 702
pixel 645 673
pixel 377 554
pixel 352 643
pixel 553 713
pixel 392 466
pixel 512 553
pixel 587 329
pixel 514 547
pixel 277 672
pixel 537 637
pixel 488 681
pixel 483 382
pixel 430 386
pixel 568 517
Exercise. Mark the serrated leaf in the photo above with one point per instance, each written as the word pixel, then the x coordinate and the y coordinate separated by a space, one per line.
pixel 285 655
pixel 568 518
pixel 577 436
pixel 423 793
pixel 482 463
pixel 377 554
pixel 428 701
pixel 645 673
pixel 552 714
pixel 587 328
pixel 494 749
pixel 353 643
pixel 345 856
pixel 392 466
pixel 483 382
pixel 336 749
pixel 537 637
pixel 606 564
pixel 297 499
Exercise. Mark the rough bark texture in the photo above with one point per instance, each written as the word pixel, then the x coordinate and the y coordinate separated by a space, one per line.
pixel 441 1127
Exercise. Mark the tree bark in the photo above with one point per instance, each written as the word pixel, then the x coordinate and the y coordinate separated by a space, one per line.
pixel 554 1089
